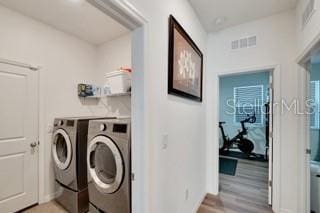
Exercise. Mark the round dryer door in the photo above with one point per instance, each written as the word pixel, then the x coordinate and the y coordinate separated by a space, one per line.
pixel 105 164
pixel 61 149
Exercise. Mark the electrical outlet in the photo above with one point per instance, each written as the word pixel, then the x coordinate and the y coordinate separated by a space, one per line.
pixel 165 141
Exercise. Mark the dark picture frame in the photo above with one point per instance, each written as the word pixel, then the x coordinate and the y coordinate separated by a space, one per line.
pixel 191 87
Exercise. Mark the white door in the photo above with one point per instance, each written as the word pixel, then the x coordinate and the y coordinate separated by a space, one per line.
pixel 270 140
pixel 18 138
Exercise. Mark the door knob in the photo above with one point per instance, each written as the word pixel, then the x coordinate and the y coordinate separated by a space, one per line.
pixel 33 145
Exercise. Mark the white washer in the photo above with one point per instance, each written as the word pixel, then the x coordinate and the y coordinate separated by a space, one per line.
pixel 109 166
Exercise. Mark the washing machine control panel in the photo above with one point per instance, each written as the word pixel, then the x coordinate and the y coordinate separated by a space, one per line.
pixel 64 122
pixel 70 122
pixel 120 128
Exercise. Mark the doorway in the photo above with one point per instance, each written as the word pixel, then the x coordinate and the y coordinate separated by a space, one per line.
pixel 310 125
pixel 314 131
pixel 245 142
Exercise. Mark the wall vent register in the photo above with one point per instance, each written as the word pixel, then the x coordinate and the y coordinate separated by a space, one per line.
pixel 244 43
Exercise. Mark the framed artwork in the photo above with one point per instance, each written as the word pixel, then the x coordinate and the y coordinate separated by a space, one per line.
pixel 185 64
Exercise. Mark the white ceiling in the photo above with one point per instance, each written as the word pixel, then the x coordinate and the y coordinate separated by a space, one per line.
pixel 76 17
pixel 235 12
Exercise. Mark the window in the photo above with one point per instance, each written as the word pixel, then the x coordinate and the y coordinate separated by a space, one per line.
pixel 248 100
pixel 315 106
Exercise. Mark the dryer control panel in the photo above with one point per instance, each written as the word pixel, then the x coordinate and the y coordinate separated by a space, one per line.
pixel 120 128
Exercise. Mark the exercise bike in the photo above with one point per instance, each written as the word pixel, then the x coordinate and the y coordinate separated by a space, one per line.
pixel 240 141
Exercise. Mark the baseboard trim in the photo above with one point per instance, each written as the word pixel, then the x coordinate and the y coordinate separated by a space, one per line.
pixel 285 211
pixel 199 202
pixel 49 197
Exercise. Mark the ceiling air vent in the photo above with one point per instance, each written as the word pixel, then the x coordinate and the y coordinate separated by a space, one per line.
pixel 235 44
pixel 308 12
pixel 244 43
pixel 252 41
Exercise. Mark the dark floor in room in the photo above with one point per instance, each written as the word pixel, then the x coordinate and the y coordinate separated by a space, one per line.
pixel 246 192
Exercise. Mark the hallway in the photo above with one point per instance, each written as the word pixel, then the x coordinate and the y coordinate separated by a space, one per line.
pixel 246 192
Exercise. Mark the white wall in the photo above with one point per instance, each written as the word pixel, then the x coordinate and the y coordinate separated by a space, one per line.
pixel 308 33
pixel 110 57
pixel 276 44
pixel 182 164
pixel 65 61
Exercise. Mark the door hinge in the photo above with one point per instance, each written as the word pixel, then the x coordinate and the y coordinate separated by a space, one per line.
pixel 308 151
pixel 270 183
pixel 132 177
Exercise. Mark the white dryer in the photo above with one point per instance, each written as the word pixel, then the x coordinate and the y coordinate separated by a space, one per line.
pixel 109 166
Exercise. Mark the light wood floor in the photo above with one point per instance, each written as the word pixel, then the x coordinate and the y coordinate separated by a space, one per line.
pixel 246 192
pixel 50 207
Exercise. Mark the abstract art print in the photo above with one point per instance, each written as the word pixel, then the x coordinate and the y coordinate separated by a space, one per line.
pixel 185 64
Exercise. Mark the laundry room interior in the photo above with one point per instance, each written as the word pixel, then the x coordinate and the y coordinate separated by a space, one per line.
pixel 80 52
pixel 123 106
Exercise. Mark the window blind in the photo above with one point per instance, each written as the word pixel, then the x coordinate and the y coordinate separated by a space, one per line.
pixel 315 106
pixel 248 100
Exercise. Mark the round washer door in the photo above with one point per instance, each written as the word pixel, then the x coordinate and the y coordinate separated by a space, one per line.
pixel 105 164
pixel 61 149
